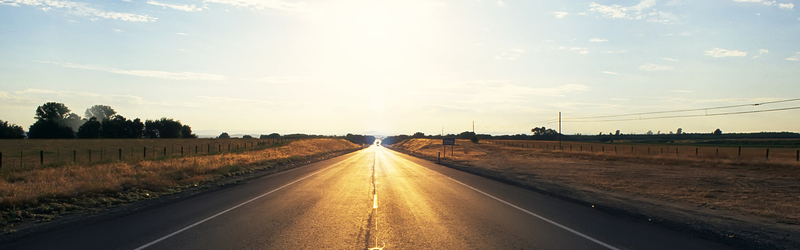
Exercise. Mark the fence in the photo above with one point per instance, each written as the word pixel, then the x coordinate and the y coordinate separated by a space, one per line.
pixel 749 153
pixel 21 154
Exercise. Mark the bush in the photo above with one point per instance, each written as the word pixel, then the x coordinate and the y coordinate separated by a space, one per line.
pixel 474 139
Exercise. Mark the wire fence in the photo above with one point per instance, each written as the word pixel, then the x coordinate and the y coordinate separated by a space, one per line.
pixel 708 152
pixel 28 154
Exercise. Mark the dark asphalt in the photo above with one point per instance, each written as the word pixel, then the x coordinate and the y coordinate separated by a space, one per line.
pixel 329 205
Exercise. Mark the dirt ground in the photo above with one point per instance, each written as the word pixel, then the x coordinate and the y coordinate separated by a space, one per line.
pixel 747 204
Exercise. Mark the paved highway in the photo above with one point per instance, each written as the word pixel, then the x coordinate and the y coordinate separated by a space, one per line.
pixel 367 199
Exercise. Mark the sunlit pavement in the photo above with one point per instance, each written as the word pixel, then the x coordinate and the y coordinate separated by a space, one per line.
pixel 371 199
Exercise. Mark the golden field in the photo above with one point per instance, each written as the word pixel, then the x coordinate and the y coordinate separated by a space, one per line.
pixel 27 186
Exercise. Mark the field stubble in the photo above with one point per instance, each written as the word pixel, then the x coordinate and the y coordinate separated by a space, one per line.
pixel 43 193
pixel 752 200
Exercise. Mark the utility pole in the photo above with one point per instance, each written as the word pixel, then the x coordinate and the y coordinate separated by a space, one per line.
pixel 559 130
pixel 473 127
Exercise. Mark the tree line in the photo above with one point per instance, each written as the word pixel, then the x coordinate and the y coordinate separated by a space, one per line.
pixel 55 120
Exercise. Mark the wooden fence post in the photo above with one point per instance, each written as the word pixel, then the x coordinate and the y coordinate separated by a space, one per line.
pixel 696 151
pixel 41 157
pixel 74 156
pixel 740 152
pixel 90 155
pixel 767 154
pixel 120 154
pixel 1 160
pixel 144 153
pixel 181 151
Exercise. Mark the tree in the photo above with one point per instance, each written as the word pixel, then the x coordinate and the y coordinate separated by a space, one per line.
pixel 474 139
pixel 617 133
pixel 12 131
pixel 186 132
pixel 50 130
pixel 101 112
pixel 163 128
pixel 418 135
pixel 649 132
pixel 72 121
pixel 270 136
pixel 680 131
pixel 52 111
pixel 247 137
pixel 718 132
pixel 120 127
pixel 224 135
pixel 90 129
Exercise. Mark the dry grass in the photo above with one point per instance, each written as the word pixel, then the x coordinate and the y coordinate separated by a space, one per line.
pixel 18 188
pixel 768 190
pixel 25 154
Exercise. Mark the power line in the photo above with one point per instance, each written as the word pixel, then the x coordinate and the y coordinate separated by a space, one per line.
pixel 684 110
pixel 697 115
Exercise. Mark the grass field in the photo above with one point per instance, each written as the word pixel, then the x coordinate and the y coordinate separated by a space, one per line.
pixel 748 197
pixel 727 152
pixel 42 192
pixel 28 154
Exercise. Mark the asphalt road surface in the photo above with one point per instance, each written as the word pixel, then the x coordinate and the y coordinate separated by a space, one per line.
pixel 367 199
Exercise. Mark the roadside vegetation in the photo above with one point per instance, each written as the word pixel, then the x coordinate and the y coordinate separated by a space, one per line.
pixel 748 202
pixel 43 193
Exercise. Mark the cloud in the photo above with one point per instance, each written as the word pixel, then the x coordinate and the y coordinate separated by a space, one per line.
pixel 655 67
pixel 80 9
pixel 144 73
pixel 610 73
pixel 670 59
pixel 580 50
pixel 218 99
pixel 182 34
pixel 717 52
pixel 501 3
pixel 642 11
pixel 795 57
pixel 511 54
pixel 681 91
pixel 761 52
pixel 560 14
pixel 184 7
pixel 785 6
pixel 118 30
pixel 264 4
pixel 598 40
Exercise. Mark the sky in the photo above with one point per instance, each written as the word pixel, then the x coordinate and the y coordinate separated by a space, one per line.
pixel 333 67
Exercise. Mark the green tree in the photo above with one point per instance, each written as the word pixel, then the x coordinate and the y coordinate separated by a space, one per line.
pixel 90 129
pixel 120 127
pixel 186 132
pixel 12 131
pixel 224 135
pixel 474 139
pixel 51 122
pixel 101 112
pixel 247 137
pixel 163 128
pixel 718 132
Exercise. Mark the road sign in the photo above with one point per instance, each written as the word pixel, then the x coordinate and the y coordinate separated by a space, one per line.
pixel 448 141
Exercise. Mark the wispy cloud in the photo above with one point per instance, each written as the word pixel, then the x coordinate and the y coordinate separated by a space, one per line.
pixel 610 72
pixel 717 52
pixel 785 6
pixel 511 54
pixel 560 14
pixel 761 52
pixel 80 9
pixel 655 67
pixel 795 57
pixel 598 40
pixel 182 7
pixel 264 4
pixel 501 4
pixel 220 99
pixel 670 59
pixel 182 34
pixel 144 73
pixel 580 50
pixel 681 91
pixel 642 11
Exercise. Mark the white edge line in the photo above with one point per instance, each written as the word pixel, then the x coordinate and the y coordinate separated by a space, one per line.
pixel 232 208
pixel 536 215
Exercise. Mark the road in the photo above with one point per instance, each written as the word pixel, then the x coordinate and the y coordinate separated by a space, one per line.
pixel 371 198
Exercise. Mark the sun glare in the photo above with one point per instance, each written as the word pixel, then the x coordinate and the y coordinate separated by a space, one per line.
pixel 374 37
